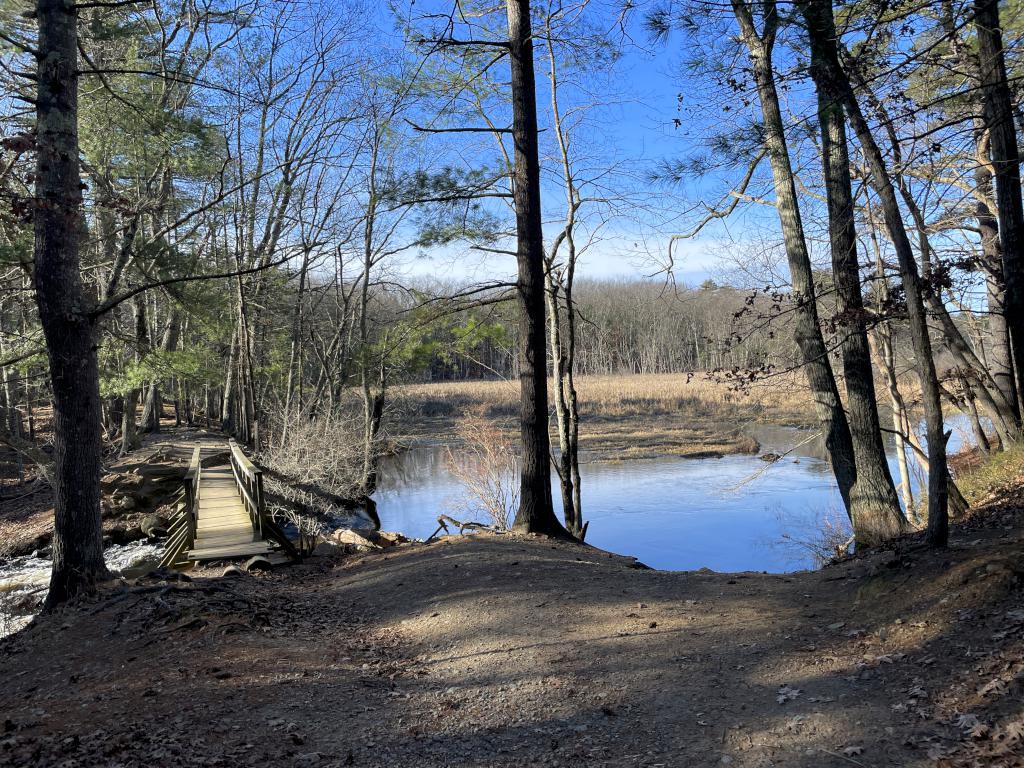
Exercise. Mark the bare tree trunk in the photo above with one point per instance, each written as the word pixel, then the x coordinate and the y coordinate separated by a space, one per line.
pixel 885 352
pixel 874 506
pixel 1006 165
pixel 153 409
pixel 563 338
pixel 807 329
pixel 536 512
pixel 245 426
pixel 129 430
pixel 227 410
pixel 373 402
pixel 78 536
pixel 980 438
pixel 564 464
pixel 938 476
pixel 999 358
pixel 295 355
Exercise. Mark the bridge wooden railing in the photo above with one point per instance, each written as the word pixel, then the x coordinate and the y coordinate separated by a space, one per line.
pixel 249 479
pixel 182 531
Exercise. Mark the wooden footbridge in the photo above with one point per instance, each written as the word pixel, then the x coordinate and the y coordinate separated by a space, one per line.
pixel 222 515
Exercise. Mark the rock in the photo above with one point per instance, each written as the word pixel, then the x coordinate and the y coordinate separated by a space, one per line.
pixel 121 534
pixel 23 605
pixel 154 526
pixel 258 563
pixel 327 549
pixel 346 536
pixel 388 538
pixel 126 503
pixel 216 460
pixel 770 457
pixel 133 480
pixel 233 571
pixel 167 574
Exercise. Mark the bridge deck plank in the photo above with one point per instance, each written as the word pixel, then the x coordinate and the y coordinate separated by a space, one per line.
pixel 223 526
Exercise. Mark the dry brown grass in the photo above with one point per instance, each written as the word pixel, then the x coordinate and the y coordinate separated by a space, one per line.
pixel 625 416
pixel 781 398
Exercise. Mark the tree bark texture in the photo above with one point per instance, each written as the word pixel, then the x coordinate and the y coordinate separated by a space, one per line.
pixel 78 539
pixel 807 328
pixel 998 112
pixel 938 476
pixel 536 512
pixel 874 505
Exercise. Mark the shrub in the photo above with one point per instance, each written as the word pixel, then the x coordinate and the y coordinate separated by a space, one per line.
pixel 486 465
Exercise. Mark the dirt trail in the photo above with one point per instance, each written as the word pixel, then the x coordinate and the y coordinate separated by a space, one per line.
pixel 493 651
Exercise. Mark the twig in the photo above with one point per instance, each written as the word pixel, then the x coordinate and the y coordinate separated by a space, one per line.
pixel 769 465
pixel 464 526
pixel 844 757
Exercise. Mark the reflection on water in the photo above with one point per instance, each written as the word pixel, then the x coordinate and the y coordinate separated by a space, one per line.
pixel 727 514
pixel 731 514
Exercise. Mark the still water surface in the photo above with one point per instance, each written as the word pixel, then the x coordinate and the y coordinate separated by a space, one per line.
pixel 737 513
pixel 728 514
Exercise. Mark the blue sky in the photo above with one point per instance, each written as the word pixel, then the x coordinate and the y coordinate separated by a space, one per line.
pixel 634 127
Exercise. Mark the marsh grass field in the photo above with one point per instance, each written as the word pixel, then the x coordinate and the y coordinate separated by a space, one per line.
pixel 623 417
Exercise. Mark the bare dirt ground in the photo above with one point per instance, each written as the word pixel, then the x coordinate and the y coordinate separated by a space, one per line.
pixel 501 651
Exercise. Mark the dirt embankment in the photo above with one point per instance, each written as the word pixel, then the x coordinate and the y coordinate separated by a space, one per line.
pixel 132 489
pixel 500 651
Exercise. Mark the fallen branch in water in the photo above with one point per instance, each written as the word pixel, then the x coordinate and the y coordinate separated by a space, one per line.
pixel 770 463
pixel 469 525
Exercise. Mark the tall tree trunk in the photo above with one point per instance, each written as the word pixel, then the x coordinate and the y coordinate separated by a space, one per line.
pixel 129 430
pixel 807 329
pixel 536 512
pixel 227 410
pixel 78 536
pixel 153 409
pixel 295 355
pixel 567 462
pixel 373 402
pixel 885 351
pixel 999 358
pixel 1006 165
pixel 563 338
pixel 245 412
pixel 938 476
pixel 874 505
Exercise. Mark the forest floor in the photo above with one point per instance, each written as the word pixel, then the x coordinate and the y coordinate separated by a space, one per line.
pixel 511 651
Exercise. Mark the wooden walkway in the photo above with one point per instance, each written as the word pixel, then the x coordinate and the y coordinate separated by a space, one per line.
pixel 223 526
pixel 222 516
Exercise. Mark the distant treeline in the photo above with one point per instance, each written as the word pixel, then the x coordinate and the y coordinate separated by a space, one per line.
pixel 626 327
